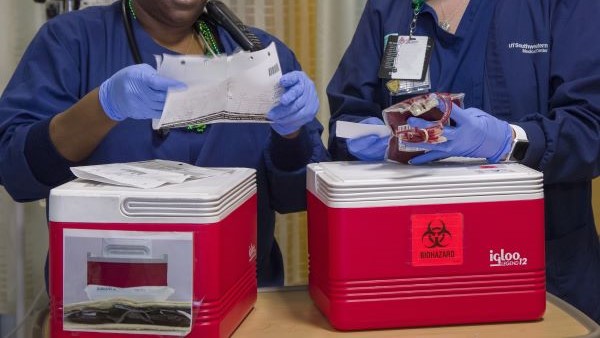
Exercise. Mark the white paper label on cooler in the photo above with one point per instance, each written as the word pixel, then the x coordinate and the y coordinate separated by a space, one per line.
pixel 141 293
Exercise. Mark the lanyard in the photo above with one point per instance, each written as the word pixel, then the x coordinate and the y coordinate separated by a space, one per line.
pixel 417 5
pixel 406 78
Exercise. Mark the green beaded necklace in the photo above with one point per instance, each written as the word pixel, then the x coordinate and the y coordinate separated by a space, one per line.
pixel 213 47
pixel 209 37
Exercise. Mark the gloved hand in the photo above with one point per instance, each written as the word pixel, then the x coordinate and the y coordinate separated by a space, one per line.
pixel 370 147
pixel 476 134
pixel 297 106
pixel 136 92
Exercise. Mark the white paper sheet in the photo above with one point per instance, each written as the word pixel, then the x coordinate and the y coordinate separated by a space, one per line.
pixel 238 88
pixel 144 175
pixel 345 129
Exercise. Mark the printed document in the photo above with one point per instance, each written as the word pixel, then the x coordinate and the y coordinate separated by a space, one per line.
pixel 238 88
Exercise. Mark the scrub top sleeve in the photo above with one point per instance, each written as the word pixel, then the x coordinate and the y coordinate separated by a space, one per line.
pixel 287 155
pixel 536 139
pixel 47 165
pixel 308 146
pixel 290 154
pixel 571 131
pixel 355 91
pixel 17 177
pixel 46 82
pixel 287 189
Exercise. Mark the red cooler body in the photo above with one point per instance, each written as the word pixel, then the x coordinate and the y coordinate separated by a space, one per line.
pixel 394 246
pixel 178 260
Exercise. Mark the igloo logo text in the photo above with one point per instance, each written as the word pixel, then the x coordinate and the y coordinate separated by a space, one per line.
pixel 504 258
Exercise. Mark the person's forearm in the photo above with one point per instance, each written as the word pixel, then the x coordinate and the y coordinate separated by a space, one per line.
pixel 77 131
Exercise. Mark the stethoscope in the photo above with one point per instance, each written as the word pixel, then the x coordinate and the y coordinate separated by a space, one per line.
pixel 134 47
pixel 135 50
pixel 128 24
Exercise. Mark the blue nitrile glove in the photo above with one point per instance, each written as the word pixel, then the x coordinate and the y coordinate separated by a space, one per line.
pixel 476 134
pixel 136 92
pixel 370 147
pixel 297 106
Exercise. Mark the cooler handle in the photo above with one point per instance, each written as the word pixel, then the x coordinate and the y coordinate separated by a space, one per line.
pixel 121 247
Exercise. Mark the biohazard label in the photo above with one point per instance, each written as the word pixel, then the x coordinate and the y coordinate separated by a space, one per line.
pixel 437 239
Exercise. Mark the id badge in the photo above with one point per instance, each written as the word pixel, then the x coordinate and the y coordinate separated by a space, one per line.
pixel 405 64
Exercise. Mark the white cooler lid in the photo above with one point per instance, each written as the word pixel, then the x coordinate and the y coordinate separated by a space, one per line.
pixel 359 184
pixel 206 200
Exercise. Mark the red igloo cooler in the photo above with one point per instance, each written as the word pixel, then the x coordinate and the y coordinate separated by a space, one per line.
pixel 177 260
pixel 453 242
